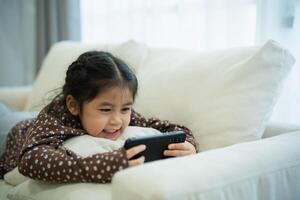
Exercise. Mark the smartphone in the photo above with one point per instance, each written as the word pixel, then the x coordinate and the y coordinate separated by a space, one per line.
pixel 155 145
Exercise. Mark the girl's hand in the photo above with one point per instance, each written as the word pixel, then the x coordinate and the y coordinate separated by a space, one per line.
pixel 180 149
pixel 132 152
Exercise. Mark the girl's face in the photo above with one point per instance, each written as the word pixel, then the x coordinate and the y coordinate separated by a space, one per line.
pixel 108 114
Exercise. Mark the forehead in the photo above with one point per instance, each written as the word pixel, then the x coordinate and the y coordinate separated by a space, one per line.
pixel 114 95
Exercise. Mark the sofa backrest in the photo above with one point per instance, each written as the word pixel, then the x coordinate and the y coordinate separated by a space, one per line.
pixel 224 97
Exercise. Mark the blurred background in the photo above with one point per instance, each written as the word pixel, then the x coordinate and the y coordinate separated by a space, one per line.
pixel 28 28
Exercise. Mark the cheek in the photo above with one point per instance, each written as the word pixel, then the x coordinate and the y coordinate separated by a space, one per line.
pixel 94 125
pixel 126 120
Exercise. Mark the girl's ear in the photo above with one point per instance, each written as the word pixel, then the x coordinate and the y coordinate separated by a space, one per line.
pixel 72 105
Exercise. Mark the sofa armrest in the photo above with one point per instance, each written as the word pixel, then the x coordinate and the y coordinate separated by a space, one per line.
pixel 261 169
pixel 276 128
pixel 15 97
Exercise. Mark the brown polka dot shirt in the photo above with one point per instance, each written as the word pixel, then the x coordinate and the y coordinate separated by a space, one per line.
pixel 35 145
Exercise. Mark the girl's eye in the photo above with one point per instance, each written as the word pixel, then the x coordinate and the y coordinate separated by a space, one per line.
pixel 105 110
pixel 126 109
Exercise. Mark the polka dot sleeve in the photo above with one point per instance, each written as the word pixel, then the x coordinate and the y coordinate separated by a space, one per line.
pixel 43 156
pixel 60 165
pixel 162 126
pixel 14 142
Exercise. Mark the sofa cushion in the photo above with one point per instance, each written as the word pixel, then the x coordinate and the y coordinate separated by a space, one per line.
pixel 224 97
pixel 52 73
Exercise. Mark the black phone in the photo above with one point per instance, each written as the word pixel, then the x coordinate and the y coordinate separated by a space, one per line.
pixel 155 144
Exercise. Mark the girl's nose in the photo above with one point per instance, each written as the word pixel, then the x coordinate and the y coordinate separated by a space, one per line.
pixel 115 119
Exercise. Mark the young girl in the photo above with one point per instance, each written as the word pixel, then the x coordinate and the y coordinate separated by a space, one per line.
pixel 96 99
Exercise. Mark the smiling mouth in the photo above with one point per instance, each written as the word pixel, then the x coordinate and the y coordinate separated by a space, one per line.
pixel 111 131
pixel 111 134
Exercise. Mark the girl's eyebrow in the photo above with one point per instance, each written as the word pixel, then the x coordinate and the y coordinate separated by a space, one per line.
pixel 128 104
pixel 110 104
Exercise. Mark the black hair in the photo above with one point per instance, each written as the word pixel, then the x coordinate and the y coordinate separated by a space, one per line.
pixel 95 71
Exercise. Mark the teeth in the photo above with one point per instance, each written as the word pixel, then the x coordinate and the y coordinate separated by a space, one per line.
pixel 110 131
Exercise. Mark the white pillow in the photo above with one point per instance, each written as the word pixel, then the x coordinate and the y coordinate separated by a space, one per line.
pixel 84 145
pixel 224 97
pixel 53 70
pixel 87 145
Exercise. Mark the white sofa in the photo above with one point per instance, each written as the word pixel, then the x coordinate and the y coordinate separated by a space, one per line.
pixel 225 97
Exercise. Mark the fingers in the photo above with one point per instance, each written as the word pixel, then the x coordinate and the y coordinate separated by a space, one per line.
pixel 181 146
pixel 135 150
pixel 138 161
pixel 180 149
pixel 176 153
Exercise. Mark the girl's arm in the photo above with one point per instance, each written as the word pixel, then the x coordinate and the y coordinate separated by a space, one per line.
pixel 163 126
pixel 44 158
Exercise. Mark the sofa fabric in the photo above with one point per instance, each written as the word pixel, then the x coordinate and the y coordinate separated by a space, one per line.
pixel 266 169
